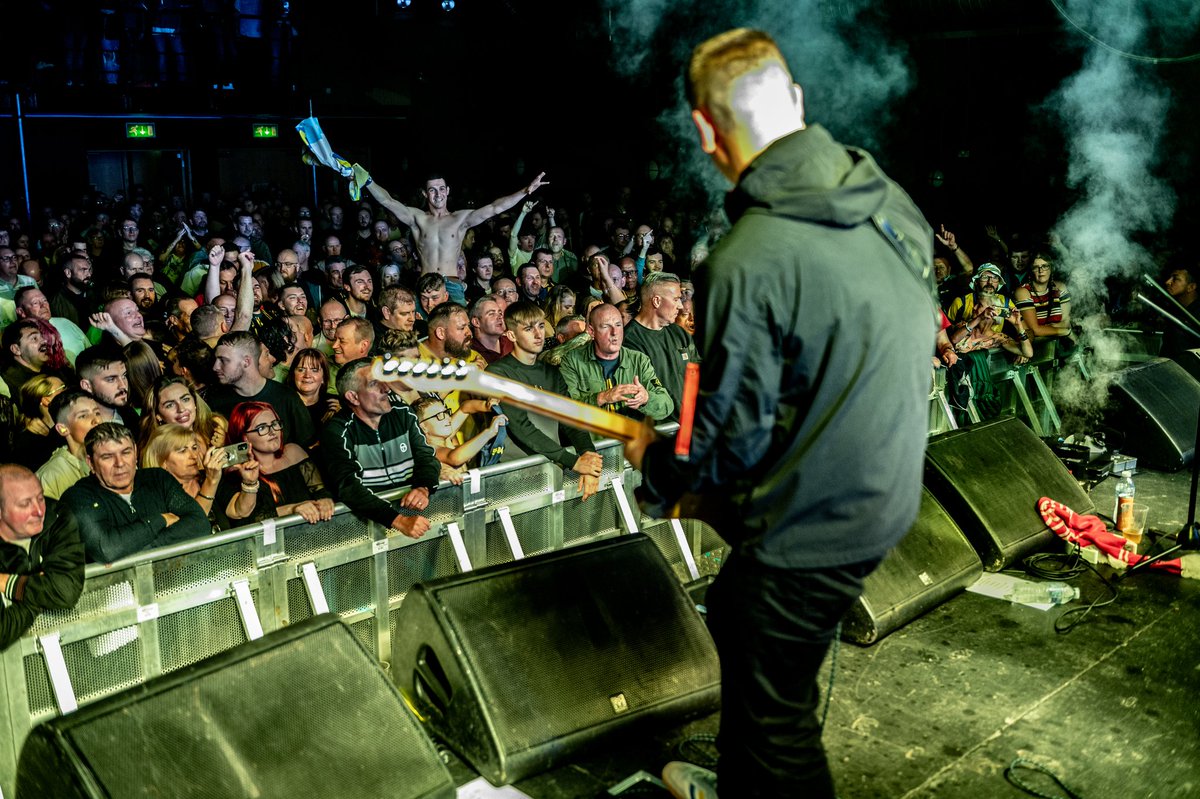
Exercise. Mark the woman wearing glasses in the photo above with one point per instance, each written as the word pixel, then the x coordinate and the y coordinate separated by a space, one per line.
pixel 288 481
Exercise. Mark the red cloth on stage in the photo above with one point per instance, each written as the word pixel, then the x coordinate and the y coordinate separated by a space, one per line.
pixel 1090 531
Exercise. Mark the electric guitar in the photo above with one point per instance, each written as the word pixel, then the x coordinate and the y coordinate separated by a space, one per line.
pixel 458 376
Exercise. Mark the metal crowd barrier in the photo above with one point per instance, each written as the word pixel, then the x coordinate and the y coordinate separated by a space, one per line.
pixel 163 609
pixel 1025 390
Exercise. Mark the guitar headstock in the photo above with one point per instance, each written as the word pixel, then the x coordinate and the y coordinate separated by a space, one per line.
pixel 446 375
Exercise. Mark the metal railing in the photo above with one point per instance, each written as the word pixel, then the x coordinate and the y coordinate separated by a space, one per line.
pixel 163 609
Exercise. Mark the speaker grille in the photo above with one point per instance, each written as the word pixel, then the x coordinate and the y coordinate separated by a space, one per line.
pixel 989 478
pixel 311 717
pixel 600 638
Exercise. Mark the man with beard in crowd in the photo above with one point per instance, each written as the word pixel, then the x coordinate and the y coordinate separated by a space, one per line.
pixel 102 373
pixel 74 300
pixel 360 288
pixel 236 367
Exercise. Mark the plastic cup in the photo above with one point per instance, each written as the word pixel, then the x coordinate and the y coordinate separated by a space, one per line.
pixel 1133 534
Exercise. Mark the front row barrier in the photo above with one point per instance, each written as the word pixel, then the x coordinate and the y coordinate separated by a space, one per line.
pixel 161 610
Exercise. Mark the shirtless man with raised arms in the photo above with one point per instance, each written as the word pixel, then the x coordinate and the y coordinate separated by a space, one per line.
pixel 438 232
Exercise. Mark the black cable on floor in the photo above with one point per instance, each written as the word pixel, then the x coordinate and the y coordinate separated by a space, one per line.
pixel 1055 565
pixel 1072 617
pixel 1011 774
pixel 690 749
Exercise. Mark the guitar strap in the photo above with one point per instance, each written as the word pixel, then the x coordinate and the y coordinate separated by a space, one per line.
pixel 909 253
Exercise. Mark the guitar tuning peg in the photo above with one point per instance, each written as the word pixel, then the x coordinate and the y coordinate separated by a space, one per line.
pixel 390 364
pixel 421 368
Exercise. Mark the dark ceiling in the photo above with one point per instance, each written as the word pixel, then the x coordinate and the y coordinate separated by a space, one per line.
pixel 589 88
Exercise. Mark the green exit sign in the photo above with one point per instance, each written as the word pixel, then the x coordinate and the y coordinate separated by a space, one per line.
pixel 266 131
pixel 140 130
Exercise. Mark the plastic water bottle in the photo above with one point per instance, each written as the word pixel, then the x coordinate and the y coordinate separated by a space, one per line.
pixel 1123 505
pixel 1052 593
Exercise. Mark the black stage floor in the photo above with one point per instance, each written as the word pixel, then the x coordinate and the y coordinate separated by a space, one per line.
pixel 941 707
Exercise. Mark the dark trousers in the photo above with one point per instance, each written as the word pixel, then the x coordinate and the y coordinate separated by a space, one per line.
pixel 772 628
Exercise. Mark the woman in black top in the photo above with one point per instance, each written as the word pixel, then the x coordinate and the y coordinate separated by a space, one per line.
pixel 35 439
pixel 288 481
pixel 310 378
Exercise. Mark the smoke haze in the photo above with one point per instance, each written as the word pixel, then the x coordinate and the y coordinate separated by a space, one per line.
pixel 850 71
pixel 1113 112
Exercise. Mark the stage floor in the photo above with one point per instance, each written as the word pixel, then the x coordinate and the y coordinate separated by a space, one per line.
pixel 942 706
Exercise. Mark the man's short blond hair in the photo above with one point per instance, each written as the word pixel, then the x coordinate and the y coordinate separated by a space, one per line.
pixel 721 60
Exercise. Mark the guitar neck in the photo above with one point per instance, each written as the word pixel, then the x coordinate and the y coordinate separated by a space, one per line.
pixel 562 409
pixel 446 377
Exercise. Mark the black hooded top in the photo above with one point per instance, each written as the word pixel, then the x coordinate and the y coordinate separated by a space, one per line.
pixel 812 418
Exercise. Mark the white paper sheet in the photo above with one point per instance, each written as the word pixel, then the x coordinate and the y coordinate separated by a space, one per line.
pixel 998 585
pixel 482 789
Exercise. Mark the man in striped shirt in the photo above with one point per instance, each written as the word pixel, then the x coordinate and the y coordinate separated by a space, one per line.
pixel 375 444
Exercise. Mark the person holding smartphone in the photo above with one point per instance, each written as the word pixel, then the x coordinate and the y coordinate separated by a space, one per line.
pixel 284 479
pixel 183 453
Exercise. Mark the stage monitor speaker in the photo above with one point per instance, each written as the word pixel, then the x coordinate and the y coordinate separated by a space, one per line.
pixel 519 665
pixel 989 477
pixel 300 712
pixel 1155 405
pixel 1190 361
pixel 932 563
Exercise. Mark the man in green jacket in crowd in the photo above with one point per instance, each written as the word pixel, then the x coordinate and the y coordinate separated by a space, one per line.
pixel 617 379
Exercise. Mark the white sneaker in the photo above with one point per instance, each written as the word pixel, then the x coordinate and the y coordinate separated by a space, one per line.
pixel 689 781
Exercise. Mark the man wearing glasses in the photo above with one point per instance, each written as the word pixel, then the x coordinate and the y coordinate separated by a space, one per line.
pixel 10 278
pixel 130 233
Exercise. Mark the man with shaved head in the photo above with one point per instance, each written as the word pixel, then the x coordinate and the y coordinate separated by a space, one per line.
pixel 612 376
pixel 812 415
pixel 41 554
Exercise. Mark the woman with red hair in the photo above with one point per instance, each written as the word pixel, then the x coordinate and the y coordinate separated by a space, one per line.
pixel 288 482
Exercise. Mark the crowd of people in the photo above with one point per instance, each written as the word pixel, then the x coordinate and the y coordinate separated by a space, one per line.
pixel 144 342
pixel 173 372
pixel 169 375
pixel 1006 302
